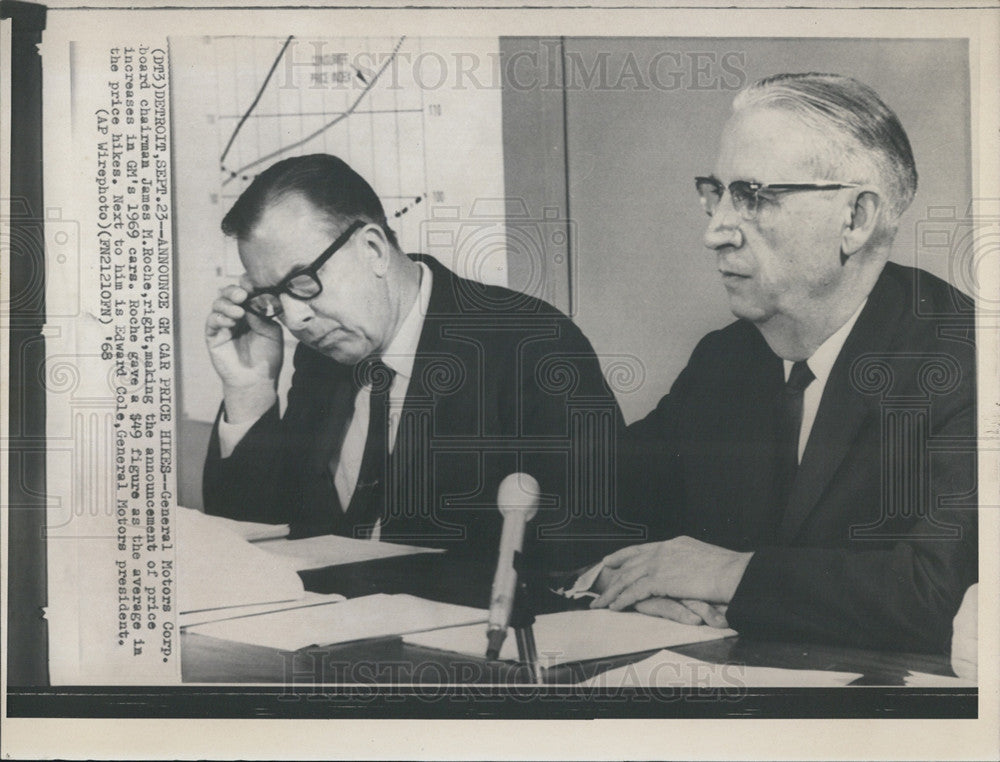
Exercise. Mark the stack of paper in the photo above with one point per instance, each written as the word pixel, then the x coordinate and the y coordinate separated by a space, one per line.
pixel 217 568
pixel 332 550
pixel 572 636
pixel 371 616
pixel 191 618
pixel 673 670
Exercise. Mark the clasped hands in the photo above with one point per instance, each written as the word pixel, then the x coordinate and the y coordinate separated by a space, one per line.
pixel 683 579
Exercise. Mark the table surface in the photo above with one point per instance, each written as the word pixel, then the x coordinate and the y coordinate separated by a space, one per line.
pixel 467 582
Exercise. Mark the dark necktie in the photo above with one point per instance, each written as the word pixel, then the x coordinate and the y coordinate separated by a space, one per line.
pixel 368 500
pixel 789 424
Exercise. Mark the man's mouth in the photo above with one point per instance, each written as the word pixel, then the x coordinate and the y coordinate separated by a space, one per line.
pixel 727 270
pixel 327 340
pixel 733 275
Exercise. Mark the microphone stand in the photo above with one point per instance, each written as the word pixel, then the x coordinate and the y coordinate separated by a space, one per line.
pixel 522 619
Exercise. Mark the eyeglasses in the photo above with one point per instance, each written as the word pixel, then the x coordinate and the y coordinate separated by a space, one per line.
pixel 299 284
pixel 746 195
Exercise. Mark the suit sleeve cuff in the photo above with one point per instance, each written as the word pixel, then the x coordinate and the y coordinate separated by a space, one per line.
pixel 755 585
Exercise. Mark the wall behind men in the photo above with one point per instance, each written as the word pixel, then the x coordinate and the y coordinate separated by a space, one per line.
pixel 622 125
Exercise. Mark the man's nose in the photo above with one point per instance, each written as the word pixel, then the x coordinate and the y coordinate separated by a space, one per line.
pixel 724 226
pixel 295 313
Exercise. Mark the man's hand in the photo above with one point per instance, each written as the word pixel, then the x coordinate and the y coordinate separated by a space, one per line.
pixel 688 611
pixel 683 569
pixel 246 352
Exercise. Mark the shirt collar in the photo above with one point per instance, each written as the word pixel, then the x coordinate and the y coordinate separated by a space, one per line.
pixel 400 353
pixel 822 360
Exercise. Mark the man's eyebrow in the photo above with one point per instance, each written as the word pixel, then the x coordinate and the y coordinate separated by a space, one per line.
pixel 715 179
pixel 295 269
pixel 298 268
pixel 291 271
pixel 749 179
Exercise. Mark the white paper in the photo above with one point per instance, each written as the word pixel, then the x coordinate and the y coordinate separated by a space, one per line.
pixel 111 486
pixel 926 680
pixel 965 636
pixel 254 531
pixel 217 567
pixel 372 616
pixel 192 618
pixel 571 636
pixel 668 669
pixel 332 550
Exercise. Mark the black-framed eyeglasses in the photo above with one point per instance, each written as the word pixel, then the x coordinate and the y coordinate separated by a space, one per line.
pixel 746 195
pixel 299 284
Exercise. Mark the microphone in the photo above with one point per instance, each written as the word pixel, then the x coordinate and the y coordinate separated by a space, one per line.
pixel 517 500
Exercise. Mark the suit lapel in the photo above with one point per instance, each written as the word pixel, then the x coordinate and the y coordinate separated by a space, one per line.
pixel 411 441
pixel 410 477
pixel 843 409
pixel 752 420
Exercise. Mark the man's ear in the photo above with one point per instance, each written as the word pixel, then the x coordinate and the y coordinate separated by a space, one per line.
pixel 860 222
pixel 377 249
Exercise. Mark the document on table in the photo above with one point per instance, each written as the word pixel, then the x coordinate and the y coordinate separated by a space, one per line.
pixel 255 531
pixel 332 550
pixel 217 568
pixel 668 669
pixel 571 636
pixel 192 618
pixel 925 680
pixel 372 616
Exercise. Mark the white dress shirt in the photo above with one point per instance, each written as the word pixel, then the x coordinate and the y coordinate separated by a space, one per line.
pixel 399 356
pixel 821 363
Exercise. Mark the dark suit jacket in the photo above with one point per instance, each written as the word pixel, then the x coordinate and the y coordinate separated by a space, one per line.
pixel 502 383
pixel 878 542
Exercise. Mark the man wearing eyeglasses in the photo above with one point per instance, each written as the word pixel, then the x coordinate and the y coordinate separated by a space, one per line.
pixel 819 453
pixel 415 392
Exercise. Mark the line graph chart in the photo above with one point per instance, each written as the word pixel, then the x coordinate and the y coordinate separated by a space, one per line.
pixel 403 111
pixel 351 98
pixel 368 84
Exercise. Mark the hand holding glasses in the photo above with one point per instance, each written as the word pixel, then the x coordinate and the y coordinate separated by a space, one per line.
pixel 246 344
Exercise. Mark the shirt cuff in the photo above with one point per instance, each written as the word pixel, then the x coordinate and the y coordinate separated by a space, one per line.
pixel 230 435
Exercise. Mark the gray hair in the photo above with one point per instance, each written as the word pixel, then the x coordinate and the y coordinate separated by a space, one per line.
pixel 867 143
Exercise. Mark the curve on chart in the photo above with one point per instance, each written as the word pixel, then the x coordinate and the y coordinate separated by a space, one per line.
pixel 256 100
pixel 340 117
